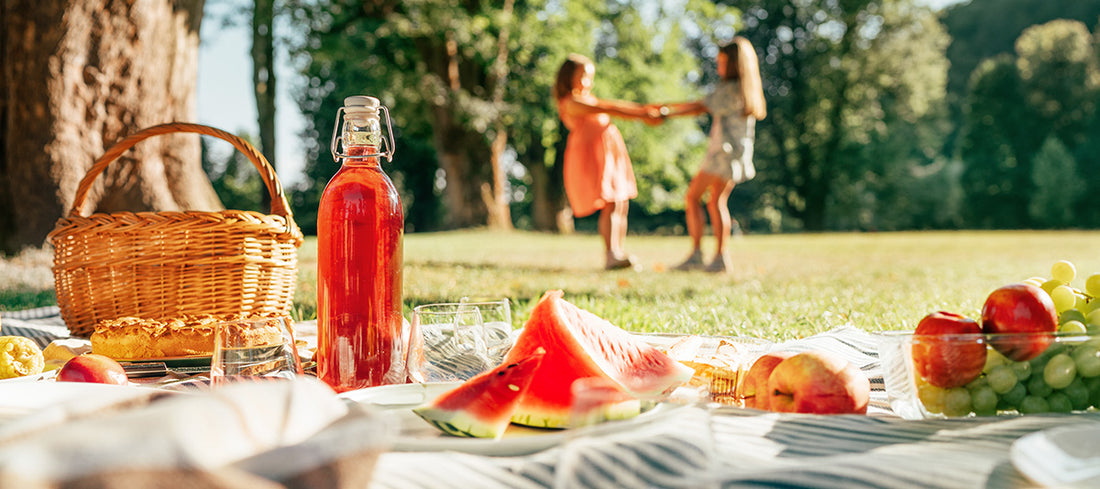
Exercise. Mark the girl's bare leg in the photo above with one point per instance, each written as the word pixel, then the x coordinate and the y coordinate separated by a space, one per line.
pixel 618 228
pixel 693 210
pixel 612 228
pixel 720 222
pixel 604 228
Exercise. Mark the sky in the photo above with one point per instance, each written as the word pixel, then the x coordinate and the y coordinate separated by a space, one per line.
pixel 225 98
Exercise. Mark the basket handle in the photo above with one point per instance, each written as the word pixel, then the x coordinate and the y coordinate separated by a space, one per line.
pixel 279 204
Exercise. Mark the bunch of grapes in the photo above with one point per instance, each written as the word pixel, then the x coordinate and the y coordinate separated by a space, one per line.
pixel 1063 378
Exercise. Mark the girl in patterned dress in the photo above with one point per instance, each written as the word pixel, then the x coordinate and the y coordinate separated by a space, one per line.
pixel 735 104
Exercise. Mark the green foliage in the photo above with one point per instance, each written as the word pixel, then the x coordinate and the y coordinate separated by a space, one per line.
pixel 992 179
pixel 983 29
pixel 865 114
pixel 234 178
pixel 1057 183
pixel 1026 117
pixel 398 52
pixel 843 81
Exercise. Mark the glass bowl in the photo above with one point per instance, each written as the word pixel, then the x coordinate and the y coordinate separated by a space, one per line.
pixel 937 376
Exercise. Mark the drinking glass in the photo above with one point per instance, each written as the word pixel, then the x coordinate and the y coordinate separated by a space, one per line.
pixel 254 347
pixel 447 343
pixel 496 316
pixel 597 400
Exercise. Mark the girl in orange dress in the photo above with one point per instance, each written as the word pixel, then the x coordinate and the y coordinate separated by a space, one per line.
pixel 598 175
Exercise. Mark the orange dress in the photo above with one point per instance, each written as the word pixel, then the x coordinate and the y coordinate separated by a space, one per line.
pixel 597 169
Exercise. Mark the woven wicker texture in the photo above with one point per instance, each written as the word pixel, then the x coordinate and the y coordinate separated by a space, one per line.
pixel 166 264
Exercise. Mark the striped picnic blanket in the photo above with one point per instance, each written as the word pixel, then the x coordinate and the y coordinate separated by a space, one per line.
pixel 752 448
pixel 728 447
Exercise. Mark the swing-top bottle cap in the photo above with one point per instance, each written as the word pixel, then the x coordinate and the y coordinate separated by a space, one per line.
pixel 361 108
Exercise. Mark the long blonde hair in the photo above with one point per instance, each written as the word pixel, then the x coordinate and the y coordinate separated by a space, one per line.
pixel 740 54
pixel 563 82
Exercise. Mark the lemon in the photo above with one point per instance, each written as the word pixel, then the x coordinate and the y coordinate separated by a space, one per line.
pixel 19 357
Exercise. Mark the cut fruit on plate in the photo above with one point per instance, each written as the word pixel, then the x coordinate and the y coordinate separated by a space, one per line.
pixel 482 406
pixel 398 401
pixel 578 345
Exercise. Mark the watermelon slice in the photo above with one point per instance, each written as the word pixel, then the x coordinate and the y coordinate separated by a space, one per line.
pixel 580 344
pixel 483 405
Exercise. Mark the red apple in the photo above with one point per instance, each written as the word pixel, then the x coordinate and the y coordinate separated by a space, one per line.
pixel 818 382
pixel 91 367
pixel 941 356
pixel 755 386
pixel 1020 308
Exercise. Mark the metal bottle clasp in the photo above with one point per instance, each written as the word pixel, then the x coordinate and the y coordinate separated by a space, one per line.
pixel 387 142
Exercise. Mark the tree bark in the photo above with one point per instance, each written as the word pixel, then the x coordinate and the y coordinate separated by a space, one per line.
pixel 495 194
pixel 79 75
pixel 263 80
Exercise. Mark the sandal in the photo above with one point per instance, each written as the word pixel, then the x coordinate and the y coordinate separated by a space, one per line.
pixel 693 262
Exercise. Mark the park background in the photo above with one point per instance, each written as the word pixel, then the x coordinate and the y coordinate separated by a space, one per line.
pixel 965 128
pixel 883 115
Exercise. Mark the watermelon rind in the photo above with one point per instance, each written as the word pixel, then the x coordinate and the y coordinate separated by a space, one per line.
pixel 458 423
pixel 580 344
pixel 611 412
pixel 482 407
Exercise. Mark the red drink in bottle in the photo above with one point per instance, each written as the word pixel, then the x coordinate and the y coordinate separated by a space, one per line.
pixel 360 225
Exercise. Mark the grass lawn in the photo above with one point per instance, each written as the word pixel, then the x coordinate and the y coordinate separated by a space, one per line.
pixel 782 286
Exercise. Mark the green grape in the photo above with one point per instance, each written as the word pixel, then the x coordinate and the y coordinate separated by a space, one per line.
pixel 1071 314
pixel 1049 285
pixel 1073 326
pixel 1038 387
pixel 981 381
pixel 1002 379
pixel 1038 363
pixel 1093 317
pixel 956 402
pixel 984 400
pixel 1012 398
pixel 1063 271
pixel 1033 405
pixel 1060 371
pixel 1090 305
pixel 1063 298
pixel 1059 403
pixel 1082 302
pixel 931 397
pixel 993 358
pixel 1041 360
pixel 1078 394
pixel 1092 285
pixel 1036 281
pixel 1021 369
pixel 1093 386
pixel 1087 359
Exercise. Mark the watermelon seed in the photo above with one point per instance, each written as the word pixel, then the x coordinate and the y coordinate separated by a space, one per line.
pixel 513 387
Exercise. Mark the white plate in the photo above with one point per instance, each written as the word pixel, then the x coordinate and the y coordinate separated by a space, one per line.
pixel 47 375
pixel 1064 457
pixel 418 435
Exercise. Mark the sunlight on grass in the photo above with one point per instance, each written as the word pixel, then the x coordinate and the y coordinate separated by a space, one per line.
pixel 781 286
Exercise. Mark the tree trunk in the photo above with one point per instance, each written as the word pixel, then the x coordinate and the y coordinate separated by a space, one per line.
pixel 263 80
pixel 79 75
pixel 495 194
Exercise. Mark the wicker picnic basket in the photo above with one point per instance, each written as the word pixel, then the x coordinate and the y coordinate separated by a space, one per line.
pixel 167 264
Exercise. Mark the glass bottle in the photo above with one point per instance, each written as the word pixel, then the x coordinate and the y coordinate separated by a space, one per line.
pixel 360 225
